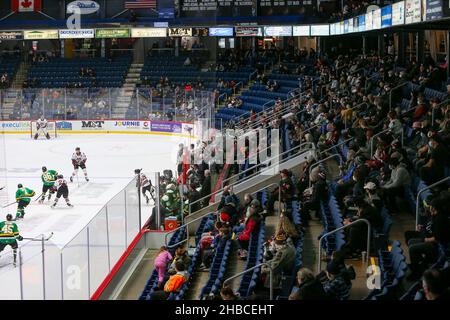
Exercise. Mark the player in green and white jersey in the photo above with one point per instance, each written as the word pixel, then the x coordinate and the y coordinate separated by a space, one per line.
pixel 23 198
pixel 9 234
pixel 48 179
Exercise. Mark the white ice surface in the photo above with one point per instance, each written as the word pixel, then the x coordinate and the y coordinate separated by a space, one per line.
pixel 111 163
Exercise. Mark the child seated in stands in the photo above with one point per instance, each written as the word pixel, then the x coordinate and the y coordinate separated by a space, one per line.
pixel 252 224
pixel 176 280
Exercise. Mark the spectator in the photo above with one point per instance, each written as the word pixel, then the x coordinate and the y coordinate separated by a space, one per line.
pixel 161 261
pixel 309 287
pixel 336 287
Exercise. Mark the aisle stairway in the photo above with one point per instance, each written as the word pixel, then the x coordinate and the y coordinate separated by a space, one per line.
pixel 127 91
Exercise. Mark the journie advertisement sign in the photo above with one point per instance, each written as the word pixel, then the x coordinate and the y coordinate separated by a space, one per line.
pixel 112 33
pixel 11 35
pixel 76 34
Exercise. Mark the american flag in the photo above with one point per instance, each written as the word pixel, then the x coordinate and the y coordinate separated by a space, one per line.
pixel 141 4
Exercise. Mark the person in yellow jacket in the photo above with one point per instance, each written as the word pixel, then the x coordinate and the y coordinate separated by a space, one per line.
pixel 177 280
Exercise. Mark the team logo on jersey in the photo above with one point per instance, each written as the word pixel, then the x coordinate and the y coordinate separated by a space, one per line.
pixel 92 124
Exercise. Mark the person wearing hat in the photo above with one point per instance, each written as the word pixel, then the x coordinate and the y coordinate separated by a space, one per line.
pixel 287 188
pixel 434 169
pixel 397 184
pixel 283 261
pixel 312 203
pixel 372 196
pixel 229 213
pixel 424 248
pixel 335 286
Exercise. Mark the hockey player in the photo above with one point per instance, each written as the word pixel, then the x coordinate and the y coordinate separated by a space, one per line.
pixel 170 202
pixel 41 126
pixel 9 234
pixel 146 185
pixel 79 161
pixel 62 190
pixel 48 179
pixel 23 196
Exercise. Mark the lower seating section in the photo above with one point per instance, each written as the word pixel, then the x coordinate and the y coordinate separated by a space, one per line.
pixel 393 269
pixel 60 72
pixel 152 283
pixel 332 219
pixel 254 257
pixel 217 270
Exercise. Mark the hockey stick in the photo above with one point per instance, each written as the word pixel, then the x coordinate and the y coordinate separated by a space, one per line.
pixel 8 205
pixel 2 188
pixel 39 239
pixel 38 197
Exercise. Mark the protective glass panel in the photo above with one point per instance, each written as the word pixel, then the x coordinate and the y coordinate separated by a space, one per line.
pixel 116 227
pixel 75 268
pixel 98 250
pixel 132 211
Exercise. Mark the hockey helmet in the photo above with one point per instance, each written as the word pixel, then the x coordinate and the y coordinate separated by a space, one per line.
pixel 137 171
pixel 9 217
pixel 171 186
pixel 60 176
pixel 44 169
pixel 19 186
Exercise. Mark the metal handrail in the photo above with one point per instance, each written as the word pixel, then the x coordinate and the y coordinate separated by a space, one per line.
pixel 357 70
pixel 380 133
pixel 434 109
pixel 251 176
pixel 253 268
pixel 322 161
pixel 392 90
pixel 369 228
pixel 337 145
pixel 250 77
pixel 370 78
pixel 423 190
pixel 267 160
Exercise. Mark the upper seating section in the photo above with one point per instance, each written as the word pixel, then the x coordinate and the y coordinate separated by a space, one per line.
pixel 60 72
pixel 8 67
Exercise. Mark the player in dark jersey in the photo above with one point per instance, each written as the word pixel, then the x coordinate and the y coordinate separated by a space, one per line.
pixel 62 190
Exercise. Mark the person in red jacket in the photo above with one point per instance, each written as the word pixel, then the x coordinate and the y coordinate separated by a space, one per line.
pixel 251 227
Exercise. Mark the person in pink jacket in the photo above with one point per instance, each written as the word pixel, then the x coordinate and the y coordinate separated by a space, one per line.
pixel 161 261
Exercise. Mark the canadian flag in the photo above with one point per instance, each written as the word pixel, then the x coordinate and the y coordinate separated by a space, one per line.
pixel 26 5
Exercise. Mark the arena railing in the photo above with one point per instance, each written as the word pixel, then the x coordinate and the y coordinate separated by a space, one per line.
pixel 422 191
pixel 392 91
pixel 102 103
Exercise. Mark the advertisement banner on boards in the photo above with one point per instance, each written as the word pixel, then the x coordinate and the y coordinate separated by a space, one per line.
pixel 15 126
pixel 180 32
pixel 165 126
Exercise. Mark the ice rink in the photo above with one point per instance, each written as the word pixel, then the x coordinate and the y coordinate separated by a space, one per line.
pixel 112 159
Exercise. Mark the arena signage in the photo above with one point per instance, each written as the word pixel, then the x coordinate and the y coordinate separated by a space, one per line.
pixel 148 32
pixel 369 21
pixel 413 11
pixel 377 19
pixel 77 34
pixel 321 30
pixel 112 33
pixel 386 16
pixel 165 126
pixel 221 32
pixel 40 34
pixel 83 7
pixel 180 32
pixel 278 31
pixel 92 124
pixel 434 10
pixel 11 35
pixel 362 23
pixel 15 126
pixel 398 13
pixel 301 31
pixel 248 31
